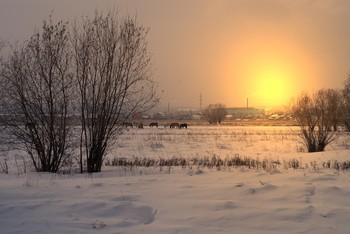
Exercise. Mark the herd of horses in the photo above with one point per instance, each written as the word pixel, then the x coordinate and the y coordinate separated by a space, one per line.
pixel 155 124
pixel 177 125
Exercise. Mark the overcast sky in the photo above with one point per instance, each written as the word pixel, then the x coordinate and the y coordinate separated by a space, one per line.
pixel 227 50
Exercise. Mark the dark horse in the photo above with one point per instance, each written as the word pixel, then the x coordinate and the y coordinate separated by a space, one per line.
pixel 127 124
pixel 153 124
pixel 183 125
pixel 139 125
pixel 174 125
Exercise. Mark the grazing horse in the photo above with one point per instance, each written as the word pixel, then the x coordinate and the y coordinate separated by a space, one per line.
pixel 174 125
pixel 183 125
pixel 139 125
pixel 153 124
pixel 127 124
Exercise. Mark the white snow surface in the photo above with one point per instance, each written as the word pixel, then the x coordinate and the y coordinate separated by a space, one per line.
pixel 311 199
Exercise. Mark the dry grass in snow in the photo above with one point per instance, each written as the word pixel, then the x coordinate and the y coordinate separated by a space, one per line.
pixel 196 199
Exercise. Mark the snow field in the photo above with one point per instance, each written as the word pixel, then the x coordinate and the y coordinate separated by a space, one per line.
pixel 197 200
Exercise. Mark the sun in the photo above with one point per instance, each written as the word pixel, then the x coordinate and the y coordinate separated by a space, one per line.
pixel 272 83
pixel 270 68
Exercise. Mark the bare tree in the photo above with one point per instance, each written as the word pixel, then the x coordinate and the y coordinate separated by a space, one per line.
pixel 35 97
pixel 215 113
pixel 112 69
pixel 334 105
pixel 314 115
pixel 346 107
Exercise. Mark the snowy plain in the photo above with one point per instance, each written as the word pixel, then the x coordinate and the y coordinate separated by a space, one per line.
pixel 310 199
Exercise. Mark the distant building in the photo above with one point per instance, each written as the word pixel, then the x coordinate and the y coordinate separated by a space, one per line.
pixel 185 113
pixel 196 116
pixel 245 113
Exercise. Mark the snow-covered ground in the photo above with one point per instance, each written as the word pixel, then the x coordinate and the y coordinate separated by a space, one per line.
pixel 197 200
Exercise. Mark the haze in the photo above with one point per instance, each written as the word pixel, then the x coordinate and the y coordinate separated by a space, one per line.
pixel 226 50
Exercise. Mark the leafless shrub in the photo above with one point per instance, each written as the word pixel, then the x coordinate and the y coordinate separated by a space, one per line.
pixel 35 95
pixel 215 113
pixel 112 69
pixel 316 115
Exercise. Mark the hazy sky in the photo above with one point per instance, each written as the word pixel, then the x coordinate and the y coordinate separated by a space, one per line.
pixel 227 50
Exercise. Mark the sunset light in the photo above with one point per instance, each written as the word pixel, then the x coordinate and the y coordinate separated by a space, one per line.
pixel 272 84
pixel 168 116
pixel 272 67
pixel 227 51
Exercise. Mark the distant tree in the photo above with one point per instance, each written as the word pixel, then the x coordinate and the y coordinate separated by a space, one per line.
pixel 315 117
pixel 335 105
pixel 35 85
pixel 113 73
pixel 215 113
pixel 346 107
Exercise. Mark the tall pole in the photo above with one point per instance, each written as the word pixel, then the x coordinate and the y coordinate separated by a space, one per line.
pixel 247 103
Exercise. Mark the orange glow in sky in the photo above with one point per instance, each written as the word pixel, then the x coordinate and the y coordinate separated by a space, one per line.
pixel 270 68
pixel 268 51
pixel 272 79
pixel 272 83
